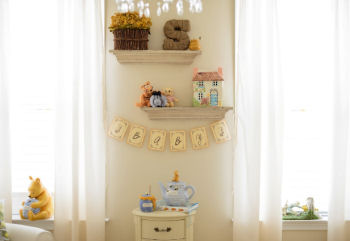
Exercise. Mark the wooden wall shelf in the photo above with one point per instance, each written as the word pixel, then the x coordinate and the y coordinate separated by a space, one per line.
pixel 155 56
pixel 209 113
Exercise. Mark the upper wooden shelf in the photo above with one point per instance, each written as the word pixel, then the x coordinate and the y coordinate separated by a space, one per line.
pixel 155 56
pixel 211 113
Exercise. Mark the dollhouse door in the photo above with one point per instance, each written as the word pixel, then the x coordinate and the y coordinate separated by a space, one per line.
pixel 213 98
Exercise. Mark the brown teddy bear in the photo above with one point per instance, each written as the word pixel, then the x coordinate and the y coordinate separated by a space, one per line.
pixel 169 93
pixel 146 95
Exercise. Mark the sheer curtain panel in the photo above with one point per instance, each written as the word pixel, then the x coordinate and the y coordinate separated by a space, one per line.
pixel 80 139
pixel 339 208
pixel 5 161
pixel 258 158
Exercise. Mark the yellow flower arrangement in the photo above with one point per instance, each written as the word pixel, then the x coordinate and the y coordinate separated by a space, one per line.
pixel 304 207
pixel 130 20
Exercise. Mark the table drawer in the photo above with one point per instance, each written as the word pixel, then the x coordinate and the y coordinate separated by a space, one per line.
pixel 163 230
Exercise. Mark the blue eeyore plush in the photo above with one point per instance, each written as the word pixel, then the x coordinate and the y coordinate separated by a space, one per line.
pixel 158 100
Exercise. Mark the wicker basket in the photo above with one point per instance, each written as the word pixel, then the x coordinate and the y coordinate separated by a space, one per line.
pixel 131 39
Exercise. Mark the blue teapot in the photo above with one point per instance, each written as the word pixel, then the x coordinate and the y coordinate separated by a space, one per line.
pixel 176 192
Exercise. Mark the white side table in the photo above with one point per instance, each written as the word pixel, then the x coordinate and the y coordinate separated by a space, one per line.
pixel 163 225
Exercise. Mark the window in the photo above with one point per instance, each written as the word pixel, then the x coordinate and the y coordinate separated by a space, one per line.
pixel 200 95
pixel 200 84
pixel 215 83
pixel 306 49
pixel 32 72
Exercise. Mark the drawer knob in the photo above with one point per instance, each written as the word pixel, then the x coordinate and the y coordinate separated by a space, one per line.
pixel 168 229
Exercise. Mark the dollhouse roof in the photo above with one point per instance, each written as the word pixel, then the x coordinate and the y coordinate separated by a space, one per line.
pixel 207 76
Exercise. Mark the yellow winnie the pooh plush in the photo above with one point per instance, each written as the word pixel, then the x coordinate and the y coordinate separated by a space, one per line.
pixel 42 207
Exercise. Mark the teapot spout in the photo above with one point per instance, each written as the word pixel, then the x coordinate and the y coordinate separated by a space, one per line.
pixel 163 190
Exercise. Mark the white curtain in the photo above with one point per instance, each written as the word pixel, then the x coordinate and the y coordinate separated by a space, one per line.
pixel 258 158
pixel 80 148
pixel 339 210
pixel 5 164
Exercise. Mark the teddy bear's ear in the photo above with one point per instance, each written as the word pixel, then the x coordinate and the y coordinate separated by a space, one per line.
pixel 146 83
pixel 37 180
pixel 30 178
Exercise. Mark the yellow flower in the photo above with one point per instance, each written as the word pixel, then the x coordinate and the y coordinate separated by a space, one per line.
pixel 129 20
pixel 304 207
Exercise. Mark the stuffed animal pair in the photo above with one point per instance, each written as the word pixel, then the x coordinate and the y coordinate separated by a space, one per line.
pixel 39 204
pixel 150 98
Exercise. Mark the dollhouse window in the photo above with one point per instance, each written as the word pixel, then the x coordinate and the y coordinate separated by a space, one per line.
pixel 200 84
pixel 200 96
pixel 215 83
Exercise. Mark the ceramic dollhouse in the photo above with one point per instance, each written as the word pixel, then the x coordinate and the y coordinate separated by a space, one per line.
pixel 207 88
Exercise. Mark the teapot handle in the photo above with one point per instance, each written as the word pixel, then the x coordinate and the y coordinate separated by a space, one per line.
pixel 193 191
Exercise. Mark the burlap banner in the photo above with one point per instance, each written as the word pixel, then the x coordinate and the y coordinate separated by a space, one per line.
pixel 177 138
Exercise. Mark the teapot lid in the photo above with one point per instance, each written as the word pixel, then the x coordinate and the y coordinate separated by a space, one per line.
pixel 176 183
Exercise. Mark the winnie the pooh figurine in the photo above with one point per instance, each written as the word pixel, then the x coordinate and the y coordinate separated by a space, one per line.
pixel 43 202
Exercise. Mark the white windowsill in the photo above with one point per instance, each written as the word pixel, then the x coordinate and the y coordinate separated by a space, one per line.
pixel 47 224
pixel 304 225
pixel 318 224
pixel 43 224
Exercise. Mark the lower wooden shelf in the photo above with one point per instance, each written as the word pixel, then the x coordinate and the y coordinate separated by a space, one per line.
pixel 155 56
pixel 210 113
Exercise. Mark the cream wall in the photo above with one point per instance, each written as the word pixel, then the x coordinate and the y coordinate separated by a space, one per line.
pixel 131 170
